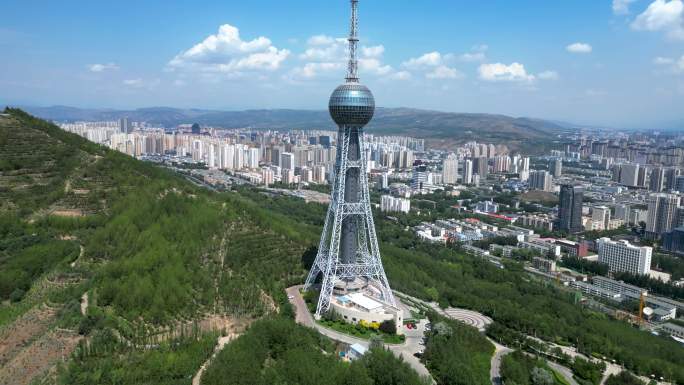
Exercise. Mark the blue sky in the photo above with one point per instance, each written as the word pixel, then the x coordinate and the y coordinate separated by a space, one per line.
pixel 618 63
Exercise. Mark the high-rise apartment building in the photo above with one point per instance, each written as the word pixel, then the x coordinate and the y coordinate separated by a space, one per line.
pixel 601 217
pixel 287 161
pixel 621 256
pixel 541 180
pixel 629 175
pixel 124 126
pixel 662 209
pixel 468 171
pixel 525 169
pixel 557 168
pixel 450 169
pixel 389 203
pixel 657 181
pixel 671 175
pixel 267 176
pixel 481 166
pixel 570 208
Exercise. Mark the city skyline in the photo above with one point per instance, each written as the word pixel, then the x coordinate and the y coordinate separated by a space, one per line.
pixel 607 63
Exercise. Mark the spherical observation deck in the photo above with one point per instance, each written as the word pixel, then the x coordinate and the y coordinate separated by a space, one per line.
pixel 351 104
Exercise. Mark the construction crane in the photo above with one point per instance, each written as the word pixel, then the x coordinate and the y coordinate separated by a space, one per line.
pixel 641 309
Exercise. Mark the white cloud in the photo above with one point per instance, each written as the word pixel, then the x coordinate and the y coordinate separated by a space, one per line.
pixel 675 66
pixel 548 75
pixel 333 50
pixel 494 72
pixel 621 7
pixel 472 56
pixel 477 53
pixel 312 70
pixel 133 82
pixel 434 65
pixel 595 93
pixel 374 51
pixel 662 16
pixel 326 55
pixel 429 59
pixel 401 75
pixel 138 83
pixel 579 48
pixel 444 72
pixel 226 52
pixel 663 60
pixel 374 66
pixel 320 40
pixel 102 67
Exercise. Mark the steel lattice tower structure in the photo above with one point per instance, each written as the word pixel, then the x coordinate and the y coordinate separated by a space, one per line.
pixel 348 252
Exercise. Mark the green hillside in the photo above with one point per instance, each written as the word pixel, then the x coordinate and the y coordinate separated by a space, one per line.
pixel 101 254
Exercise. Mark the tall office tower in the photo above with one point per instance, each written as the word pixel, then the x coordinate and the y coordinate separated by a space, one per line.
pixel 657 181
pixel 671 175
pixel 468 171
pixel 557 167
pixel 124 126
pixel 600 215
pixel 450 169
pixel 621 256
pixel 570 208
pixel 420 178
pixel 195 129
pixel 287 160
pixel 348 254
pixel 662 208
pixel 525 169
pixel 629 175
pixel 541 180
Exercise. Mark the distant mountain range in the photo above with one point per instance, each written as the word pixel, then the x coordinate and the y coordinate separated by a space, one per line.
pixel 439 128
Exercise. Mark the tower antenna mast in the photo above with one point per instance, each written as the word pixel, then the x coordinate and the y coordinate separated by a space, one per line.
pixel 353 39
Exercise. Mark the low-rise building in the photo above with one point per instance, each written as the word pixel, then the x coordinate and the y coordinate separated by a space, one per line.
pixel 544 264
pixel 360 307
pixel 596 291
pixel 673 329
pixel 574 249
pixel 506 251
pixel 544 246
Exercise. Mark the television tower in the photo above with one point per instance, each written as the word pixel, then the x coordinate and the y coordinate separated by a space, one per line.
pixel 348 254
